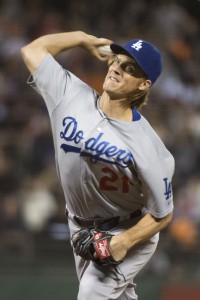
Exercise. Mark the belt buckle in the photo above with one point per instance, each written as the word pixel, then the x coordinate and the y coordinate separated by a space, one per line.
pixel 96 223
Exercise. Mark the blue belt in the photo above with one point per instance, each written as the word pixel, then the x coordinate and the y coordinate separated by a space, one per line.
pixel 105 224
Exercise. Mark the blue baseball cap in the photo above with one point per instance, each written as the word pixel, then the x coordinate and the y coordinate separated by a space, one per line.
pixel 146 55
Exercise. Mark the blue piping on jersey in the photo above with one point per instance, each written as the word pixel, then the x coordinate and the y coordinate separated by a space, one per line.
pixel 136 115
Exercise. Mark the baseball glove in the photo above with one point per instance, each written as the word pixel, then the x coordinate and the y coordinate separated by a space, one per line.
pixel 94 244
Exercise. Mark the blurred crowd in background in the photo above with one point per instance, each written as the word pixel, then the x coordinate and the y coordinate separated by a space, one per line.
pixel 31 199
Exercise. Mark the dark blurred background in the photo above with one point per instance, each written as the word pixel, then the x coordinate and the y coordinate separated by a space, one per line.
pixel 36 260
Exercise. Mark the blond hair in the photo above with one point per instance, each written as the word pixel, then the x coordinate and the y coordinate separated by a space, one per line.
pixel 139 99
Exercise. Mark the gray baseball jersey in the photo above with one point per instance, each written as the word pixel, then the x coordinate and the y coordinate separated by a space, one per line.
pixel 107 167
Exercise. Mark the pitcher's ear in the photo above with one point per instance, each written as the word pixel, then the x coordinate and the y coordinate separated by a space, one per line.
pixel 145 85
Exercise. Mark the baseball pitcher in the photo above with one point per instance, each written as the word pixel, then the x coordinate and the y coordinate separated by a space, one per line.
pixel 115 171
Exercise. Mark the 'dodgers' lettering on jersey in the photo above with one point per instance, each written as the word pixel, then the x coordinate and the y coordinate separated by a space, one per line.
pixel 95 147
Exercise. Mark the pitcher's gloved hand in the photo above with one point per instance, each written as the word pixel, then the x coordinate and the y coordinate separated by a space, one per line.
pixel 94 244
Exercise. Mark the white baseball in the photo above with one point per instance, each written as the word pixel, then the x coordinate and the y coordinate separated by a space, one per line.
pixel 104 50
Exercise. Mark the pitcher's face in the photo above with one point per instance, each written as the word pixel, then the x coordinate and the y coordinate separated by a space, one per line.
pixel 123 78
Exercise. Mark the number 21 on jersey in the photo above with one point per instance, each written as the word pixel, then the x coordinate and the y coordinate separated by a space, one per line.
pixel 113 182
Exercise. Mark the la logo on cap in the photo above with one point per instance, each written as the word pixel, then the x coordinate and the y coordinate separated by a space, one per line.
pixel 137 46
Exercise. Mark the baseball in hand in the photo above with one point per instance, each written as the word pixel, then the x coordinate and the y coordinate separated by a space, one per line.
pixel 104 50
